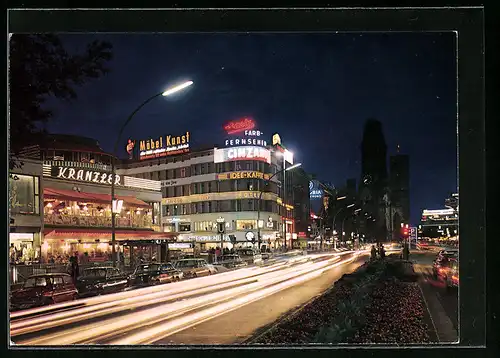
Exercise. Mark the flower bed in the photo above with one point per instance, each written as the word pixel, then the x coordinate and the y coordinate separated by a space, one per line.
pixel 378 303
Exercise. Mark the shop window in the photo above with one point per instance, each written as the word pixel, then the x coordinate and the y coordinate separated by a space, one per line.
pixel 185 227
pixel 24 194
pixel 246 224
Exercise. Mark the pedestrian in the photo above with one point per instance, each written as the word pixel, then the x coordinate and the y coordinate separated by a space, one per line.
pixel 373 253
pixel 75 268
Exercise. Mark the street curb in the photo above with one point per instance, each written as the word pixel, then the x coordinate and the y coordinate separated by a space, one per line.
pixel 445 331
pixel 428 312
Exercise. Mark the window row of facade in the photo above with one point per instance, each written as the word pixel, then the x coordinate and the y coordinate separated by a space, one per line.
pixel 209 226
pixel 222 186
pixel 219 206
pixel 208 168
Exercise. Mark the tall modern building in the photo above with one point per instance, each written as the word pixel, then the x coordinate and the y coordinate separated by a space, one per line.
pixel 301 203
pixel 373 183
pixel 399 184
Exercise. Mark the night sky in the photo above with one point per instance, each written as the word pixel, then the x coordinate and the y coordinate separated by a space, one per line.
pixel 316 90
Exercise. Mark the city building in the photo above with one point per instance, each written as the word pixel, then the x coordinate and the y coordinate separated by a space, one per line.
pixel 240 183
pixel 441 223
pixel 399 184
pixel 373 182
pixel 75 194
pixel 302 206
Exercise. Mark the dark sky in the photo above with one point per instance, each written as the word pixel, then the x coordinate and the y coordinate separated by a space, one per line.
pixel 316 90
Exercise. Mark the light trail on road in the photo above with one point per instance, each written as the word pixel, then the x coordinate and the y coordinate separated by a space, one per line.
pixel 146 315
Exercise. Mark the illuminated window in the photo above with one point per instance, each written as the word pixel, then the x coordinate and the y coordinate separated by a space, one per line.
pixel 246 224
pixel 24 194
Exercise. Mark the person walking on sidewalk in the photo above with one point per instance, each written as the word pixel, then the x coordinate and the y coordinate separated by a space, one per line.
pixel 373 253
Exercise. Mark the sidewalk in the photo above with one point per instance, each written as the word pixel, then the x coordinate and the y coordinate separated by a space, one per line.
pixel 442 323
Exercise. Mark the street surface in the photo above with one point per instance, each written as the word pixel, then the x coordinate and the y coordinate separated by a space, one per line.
pixel 442 303
pixel 221 309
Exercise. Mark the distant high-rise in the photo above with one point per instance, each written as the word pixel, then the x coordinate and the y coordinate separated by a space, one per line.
pixel 373 184
pixel 399 184
pixel 373 155
pixel 351 187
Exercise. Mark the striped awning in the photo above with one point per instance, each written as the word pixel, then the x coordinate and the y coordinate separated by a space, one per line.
pixel 77 233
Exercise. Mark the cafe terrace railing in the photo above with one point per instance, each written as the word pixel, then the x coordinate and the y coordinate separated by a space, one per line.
pixel 97 221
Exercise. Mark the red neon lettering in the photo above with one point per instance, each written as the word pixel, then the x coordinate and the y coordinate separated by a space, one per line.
pixel 239 126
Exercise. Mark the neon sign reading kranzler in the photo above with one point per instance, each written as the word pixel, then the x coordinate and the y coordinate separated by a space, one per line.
pixel 85 175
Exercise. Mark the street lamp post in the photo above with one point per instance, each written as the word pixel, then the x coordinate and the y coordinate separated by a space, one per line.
pixel 260 199
pixel 115 149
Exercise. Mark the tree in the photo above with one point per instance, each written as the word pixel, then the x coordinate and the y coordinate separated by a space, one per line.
pixel 41 68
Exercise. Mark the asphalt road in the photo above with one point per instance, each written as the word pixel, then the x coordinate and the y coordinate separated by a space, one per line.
pixel 221 309
pixel 236 326
pixel 447 300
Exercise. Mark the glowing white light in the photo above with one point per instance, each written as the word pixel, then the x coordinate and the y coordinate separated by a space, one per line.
pixel 177 88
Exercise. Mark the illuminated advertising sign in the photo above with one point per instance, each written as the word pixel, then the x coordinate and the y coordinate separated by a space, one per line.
pixel 438 212
pixel 164 146
pixel 276 139
pixel 85 175
pixel 239 126
pixel 251 138
pixel 130 148
pixel 246 133
pixel 242 175
pixel 242 153
pixel 315 192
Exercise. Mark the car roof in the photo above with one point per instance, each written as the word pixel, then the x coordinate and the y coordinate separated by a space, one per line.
pixel 99 268
pixel 191 259
pixel 49 274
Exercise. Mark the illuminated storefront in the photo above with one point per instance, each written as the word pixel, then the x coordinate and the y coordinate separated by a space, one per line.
pixel 77 214
pixel 25 200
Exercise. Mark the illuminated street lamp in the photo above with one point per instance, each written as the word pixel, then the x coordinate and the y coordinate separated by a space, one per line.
pixel 165 93
pixel 260 201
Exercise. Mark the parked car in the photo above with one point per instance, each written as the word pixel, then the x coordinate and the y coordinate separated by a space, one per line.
pixel 441 261
pixel 250 256
pixel 232 261
pixel 195 267
pixel 44 289
pixel 153 274
pixel 101 280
